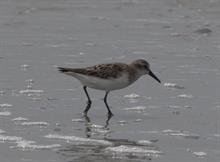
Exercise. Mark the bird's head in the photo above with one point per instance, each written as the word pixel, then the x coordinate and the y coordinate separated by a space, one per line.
pixel 143 67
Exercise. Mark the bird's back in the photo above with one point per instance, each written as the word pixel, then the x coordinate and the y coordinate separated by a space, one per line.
pixel 104 71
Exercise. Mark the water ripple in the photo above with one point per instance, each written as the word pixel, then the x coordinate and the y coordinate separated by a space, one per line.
pixel 78 140
pixel 181 133
pixel 173 86
pixel 123 151
pixel 30 145
pixel 41 124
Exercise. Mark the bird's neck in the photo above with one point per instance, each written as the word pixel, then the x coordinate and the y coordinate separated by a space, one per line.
pixel 134 75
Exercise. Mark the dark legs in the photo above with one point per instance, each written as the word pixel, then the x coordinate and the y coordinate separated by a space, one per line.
pixel 106 104
pixel 89 102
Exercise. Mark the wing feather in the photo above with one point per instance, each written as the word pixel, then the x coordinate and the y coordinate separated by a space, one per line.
pixel 104 71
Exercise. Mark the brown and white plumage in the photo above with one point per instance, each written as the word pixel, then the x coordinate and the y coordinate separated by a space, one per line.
pixel 110 76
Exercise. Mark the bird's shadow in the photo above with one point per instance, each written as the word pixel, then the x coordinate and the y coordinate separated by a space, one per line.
pixel 89 126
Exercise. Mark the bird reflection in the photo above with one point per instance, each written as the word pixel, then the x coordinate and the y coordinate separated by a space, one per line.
pixel 89 125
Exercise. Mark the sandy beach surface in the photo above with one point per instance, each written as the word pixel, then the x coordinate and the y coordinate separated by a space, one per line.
pixel 41 109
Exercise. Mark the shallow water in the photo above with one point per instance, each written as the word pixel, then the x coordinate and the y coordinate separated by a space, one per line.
pixel 40 109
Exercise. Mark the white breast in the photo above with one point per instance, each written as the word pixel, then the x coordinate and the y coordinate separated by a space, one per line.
pixel 103 84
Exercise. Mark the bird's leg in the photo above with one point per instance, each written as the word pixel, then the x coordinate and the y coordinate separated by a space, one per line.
pixel 107 120
pixel 106 104
pixel 88 124
pixel 89 102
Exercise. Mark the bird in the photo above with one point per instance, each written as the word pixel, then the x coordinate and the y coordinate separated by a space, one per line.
pixel 108 77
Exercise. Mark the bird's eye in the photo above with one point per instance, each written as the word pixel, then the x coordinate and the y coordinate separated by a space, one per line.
pixel 139 66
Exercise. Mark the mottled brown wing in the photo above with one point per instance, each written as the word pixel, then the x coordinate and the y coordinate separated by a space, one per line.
pixel 104 71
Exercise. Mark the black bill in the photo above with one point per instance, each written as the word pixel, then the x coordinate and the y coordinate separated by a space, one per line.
pixel 154 76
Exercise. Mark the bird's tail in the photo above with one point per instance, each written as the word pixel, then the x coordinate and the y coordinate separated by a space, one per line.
pixel 63 70
pixel 67 71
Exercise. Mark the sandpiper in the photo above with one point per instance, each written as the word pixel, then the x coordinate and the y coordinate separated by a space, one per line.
pixel 109 77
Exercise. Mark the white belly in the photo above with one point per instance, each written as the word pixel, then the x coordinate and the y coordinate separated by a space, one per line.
pixel 103 84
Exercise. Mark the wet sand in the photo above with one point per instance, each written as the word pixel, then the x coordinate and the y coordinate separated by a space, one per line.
pixel 40 109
